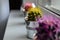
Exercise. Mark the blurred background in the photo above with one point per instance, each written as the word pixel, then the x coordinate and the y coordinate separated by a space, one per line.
pixel 12 23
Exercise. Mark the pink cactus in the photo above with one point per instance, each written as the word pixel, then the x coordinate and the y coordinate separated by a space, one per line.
pixel 49 21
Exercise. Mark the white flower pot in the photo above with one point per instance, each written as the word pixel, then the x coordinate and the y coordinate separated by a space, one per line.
pixel 31 31
pixel 33 24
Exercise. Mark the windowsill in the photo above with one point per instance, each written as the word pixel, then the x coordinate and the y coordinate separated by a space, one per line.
pixel 56 10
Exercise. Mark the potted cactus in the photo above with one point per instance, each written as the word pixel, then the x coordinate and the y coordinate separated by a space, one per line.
pixel 46 30
pixel 31 19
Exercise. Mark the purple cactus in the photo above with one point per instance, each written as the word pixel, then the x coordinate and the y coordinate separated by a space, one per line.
pixel 45 24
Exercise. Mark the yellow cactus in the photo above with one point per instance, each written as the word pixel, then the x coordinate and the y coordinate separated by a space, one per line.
pixel 33 13
pixel 35 10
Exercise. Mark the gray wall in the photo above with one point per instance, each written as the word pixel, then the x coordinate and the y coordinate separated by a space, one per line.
pixel 4 14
